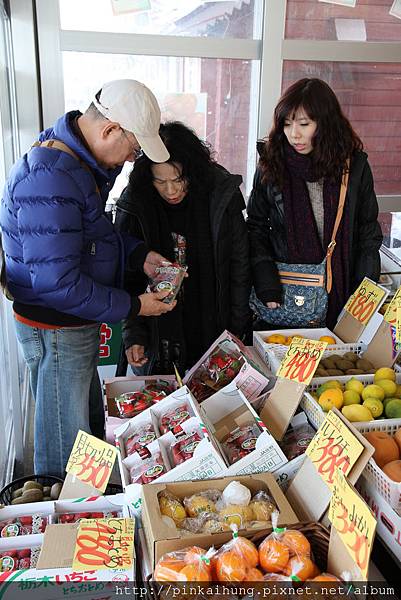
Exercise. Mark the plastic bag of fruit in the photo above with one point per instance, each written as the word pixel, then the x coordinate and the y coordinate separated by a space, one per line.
pixel 172 418
pixel 169 278
pixel 149 469
pixel 296 440
pixel 240 442
pixel 22 558
pixel 190 564
pixel 183 449
pixel 237 560
pixel 23 525
pixel 141 437
pixel 131 404
pixel 220 368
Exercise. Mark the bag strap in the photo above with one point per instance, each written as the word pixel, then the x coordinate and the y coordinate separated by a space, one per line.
pixel 58 145
pixel 340 210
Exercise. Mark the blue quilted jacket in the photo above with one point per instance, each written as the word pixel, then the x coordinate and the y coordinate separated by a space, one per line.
pixel 61 249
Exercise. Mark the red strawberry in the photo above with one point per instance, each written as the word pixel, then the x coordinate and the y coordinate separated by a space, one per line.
pixel 24 553
pixel 24 563
pixel 25 520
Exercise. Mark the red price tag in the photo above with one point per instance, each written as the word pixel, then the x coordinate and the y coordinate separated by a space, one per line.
pixel 301 360
pixel 365 301
pixel 91 460
pixel 104 544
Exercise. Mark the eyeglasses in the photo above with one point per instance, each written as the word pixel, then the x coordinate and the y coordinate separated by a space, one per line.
pixel 136 151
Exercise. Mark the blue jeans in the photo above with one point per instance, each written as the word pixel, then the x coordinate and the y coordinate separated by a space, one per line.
pixel 65 385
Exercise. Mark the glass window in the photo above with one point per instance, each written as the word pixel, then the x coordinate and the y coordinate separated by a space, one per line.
pixel 369 20
pixel 218 19
pixel 213 96
pixel 370 95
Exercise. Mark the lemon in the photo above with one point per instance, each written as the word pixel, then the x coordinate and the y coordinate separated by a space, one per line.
pixel 373 391
pixel 351 397
pixel 398 392
pixel 276 338
pixel 357 412
pixel 384 373
pixel 354 385
pixel 389 387
pixel 375 406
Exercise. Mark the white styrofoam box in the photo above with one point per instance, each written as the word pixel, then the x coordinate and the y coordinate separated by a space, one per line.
pixel 388 520
pixel 12 511
pixel 285 474
pixel 267 455
pixel 316 414
pixel 273 354
pixel 389 489
pixel 115 503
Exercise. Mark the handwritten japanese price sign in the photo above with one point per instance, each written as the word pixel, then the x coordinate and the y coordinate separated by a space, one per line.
pixel 391 313
pixel 364 301
pixel 104 544
pixel 353 520
pixel 301 360
pixel 398 326
pixel 91 460
pixel 333 447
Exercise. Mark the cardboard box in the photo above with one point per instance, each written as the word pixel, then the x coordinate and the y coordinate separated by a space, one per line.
pixel 253 378
pixel 162 538
pixel 206 461
pixel 388 520
pixel 285 474
pixel 225 411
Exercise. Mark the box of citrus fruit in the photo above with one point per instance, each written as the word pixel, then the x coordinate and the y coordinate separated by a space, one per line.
pixel 360 398
pixel 273 345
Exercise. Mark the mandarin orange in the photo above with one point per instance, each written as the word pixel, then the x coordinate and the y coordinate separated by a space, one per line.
pixel 296 542
pixel 230 567
pixel 273 555
pixel 300 566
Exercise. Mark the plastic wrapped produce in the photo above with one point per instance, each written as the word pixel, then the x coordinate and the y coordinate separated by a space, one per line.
pixel 139 439
pixel 168 278
pixel 190 564
pixel 171 506
pixel 297 440
pixel 23 525
pixel 171 420
pixel 77 516
pixel 25 558
pixel 237 561
pixel 185 447
pixel 241 442
pixel 148 469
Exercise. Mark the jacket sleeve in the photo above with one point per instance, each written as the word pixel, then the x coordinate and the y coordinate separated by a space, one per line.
pixel 264 272
pixel 240 274
pixel 51 231
pixel 368 235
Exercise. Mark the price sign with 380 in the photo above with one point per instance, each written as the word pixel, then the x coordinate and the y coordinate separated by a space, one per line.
pixel 301 360
pixel 333 447
pixel 104 544
pixel 365 301
pixel 353 521
pixel 91 460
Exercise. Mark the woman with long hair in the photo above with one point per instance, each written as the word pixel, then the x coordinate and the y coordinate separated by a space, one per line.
pixel 190 207
pixel 294 201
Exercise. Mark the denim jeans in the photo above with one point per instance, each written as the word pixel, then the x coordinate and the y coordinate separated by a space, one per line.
pixel 65 385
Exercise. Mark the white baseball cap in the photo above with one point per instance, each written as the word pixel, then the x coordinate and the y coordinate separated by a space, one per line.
pixel 133 106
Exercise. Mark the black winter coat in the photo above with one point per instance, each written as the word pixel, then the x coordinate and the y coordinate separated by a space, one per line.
pixel 231 259
pixel 268 237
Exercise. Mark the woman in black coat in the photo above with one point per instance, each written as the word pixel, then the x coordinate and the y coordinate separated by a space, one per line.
pixel 294 201
pixel 190 209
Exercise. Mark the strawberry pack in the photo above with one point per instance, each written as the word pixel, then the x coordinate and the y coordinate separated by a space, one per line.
pixel 24 558
pixel 132 403
pixel 23 525
pixel 168 278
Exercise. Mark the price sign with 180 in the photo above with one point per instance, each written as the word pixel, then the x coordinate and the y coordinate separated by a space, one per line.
pixel 301 360
pixel 364 301
pixel 104 544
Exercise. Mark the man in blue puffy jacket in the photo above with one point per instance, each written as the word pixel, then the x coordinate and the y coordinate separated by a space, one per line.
pixel 65 262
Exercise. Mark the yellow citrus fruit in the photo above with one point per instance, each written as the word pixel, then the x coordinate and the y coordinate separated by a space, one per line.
pixel 351 397
pixel 373 391
pixel 384 373
pixel 355 385
pixel 327 338
pixel 357 412
pixel 331 398
pixel 375 406
pixel 276 338
pixel 389 387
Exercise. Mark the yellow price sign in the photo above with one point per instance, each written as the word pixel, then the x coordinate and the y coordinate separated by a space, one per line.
pixel 333 447
pixel 104 544
pixel 353 521
pixel 391 313
pixel 398 326
pixel 301 360
pixel 91 460
pixel 365 301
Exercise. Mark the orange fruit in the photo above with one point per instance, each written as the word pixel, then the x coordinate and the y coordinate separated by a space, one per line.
pixel 273 555
pixel 325 577
pixel 254 575
pixel 276 338
pixel 193 553
pixel 197 571
pixel 167 568
pixel 331 397
pixel 327 338
pixel 230 567
pixel 246 550
pixel 301 566
pixel 296 542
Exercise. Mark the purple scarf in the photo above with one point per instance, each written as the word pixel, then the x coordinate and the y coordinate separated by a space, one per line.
pixel 303 242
